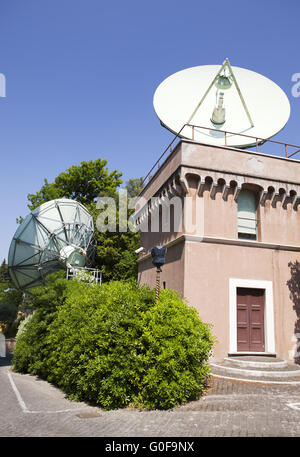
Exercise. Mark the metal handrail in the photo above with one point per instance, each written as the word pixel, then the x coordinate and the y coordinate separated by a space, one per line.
pixel 161 156
pixel 226 132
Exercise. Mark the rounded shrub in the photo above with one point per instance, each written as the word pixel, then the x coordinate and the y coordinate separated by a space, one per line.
pixel 177 345
pixel 113 346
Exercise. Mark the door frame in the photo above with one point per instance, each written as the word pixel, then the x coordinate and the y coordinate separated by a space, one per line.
pixel 234 283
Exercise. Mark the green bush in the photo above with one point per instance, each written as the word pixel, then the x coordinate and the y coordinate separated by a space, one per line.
pixel 31 352
pixel 177 345
pixel 111 345
pixel 22 325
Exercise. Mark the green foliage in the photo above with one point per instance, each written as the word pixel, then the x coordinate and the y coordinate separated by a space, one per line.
pixel 30 355
pixel 22 325
pixel 9 294
pixel 134 186
pixel 8 312
pixel 115 255
pixel 4 275
pixel 82 183
pixel 10 302
pixel 177 345
pixel 111 345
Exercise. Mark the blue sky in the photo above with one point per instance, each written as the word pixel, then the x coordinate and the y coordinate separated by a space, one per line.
pixel 81 74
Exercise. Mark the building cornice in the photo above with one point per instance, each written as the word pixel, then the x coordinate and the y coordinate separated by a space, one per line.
pixel 217 147
pixel 226 241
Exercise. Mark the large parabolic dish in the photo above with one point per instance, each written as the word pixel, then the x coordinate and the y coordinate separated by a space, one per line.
pixel 254 105
pixel 57 234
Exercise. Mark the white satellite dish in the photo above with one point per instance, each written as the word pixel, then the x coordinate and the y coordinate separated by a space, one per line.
pixel 221 98
pixel 55 235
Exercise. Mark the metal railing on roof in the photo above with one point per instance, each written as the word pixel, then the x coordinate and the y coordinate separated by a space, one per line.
pixel 257 142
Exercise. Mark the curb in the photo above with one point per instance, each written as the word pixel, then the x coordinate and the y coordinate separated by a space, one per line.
pixel 255 381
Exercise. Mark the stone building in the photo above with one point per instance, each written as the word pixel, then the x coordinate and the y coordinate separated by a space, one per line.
pixel 234 255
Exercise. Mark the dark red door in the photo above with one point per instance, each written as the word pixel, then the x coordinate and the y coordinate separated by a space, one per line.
pixel 250 320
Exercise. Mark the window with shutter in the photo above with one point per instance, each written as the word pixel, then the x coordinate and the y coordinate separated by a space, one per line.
pixel 247 222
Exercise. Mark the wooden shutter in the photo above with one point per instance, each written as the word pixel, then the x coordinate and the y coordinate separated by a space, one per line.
pixel 247 213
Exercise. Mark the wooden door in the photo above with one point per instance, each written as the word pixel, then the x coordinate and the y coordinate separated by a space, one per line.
pixel 250 320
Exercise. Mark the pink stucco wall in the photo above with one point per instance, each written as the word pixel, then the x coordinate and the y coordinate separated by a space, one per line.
pixel 200 265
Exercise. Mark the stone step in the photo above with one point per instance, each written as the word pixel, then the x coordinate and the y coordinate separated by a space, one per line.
pixel 279 370
pixel 263 379
pixel 256 362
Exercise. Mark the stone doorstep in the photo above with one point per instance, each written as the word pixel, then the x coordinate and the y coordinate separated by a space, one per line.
pixel 256 362
pixel 253 372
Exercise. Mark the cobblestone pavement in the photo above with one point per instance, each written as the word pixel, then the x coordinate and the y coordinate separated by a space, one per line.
pixel 31 407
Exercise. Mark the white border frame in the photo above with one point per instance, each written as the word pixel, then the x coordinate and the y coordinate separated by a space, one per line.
pixel 234 283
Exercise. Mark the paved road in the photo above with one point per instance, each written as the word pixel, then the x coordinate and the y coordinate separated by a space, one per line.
pixel 33 408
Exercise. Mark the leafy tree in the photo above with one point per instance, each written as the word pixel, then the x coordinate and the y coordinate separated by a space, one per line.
pixel 82 183
pixel 4 275
pixel 10 301
pixel 134 186
pixel 8 313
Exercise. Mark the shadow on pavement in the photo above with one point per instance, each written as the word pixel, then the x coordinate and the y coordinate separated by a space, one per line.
pixel 6 361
